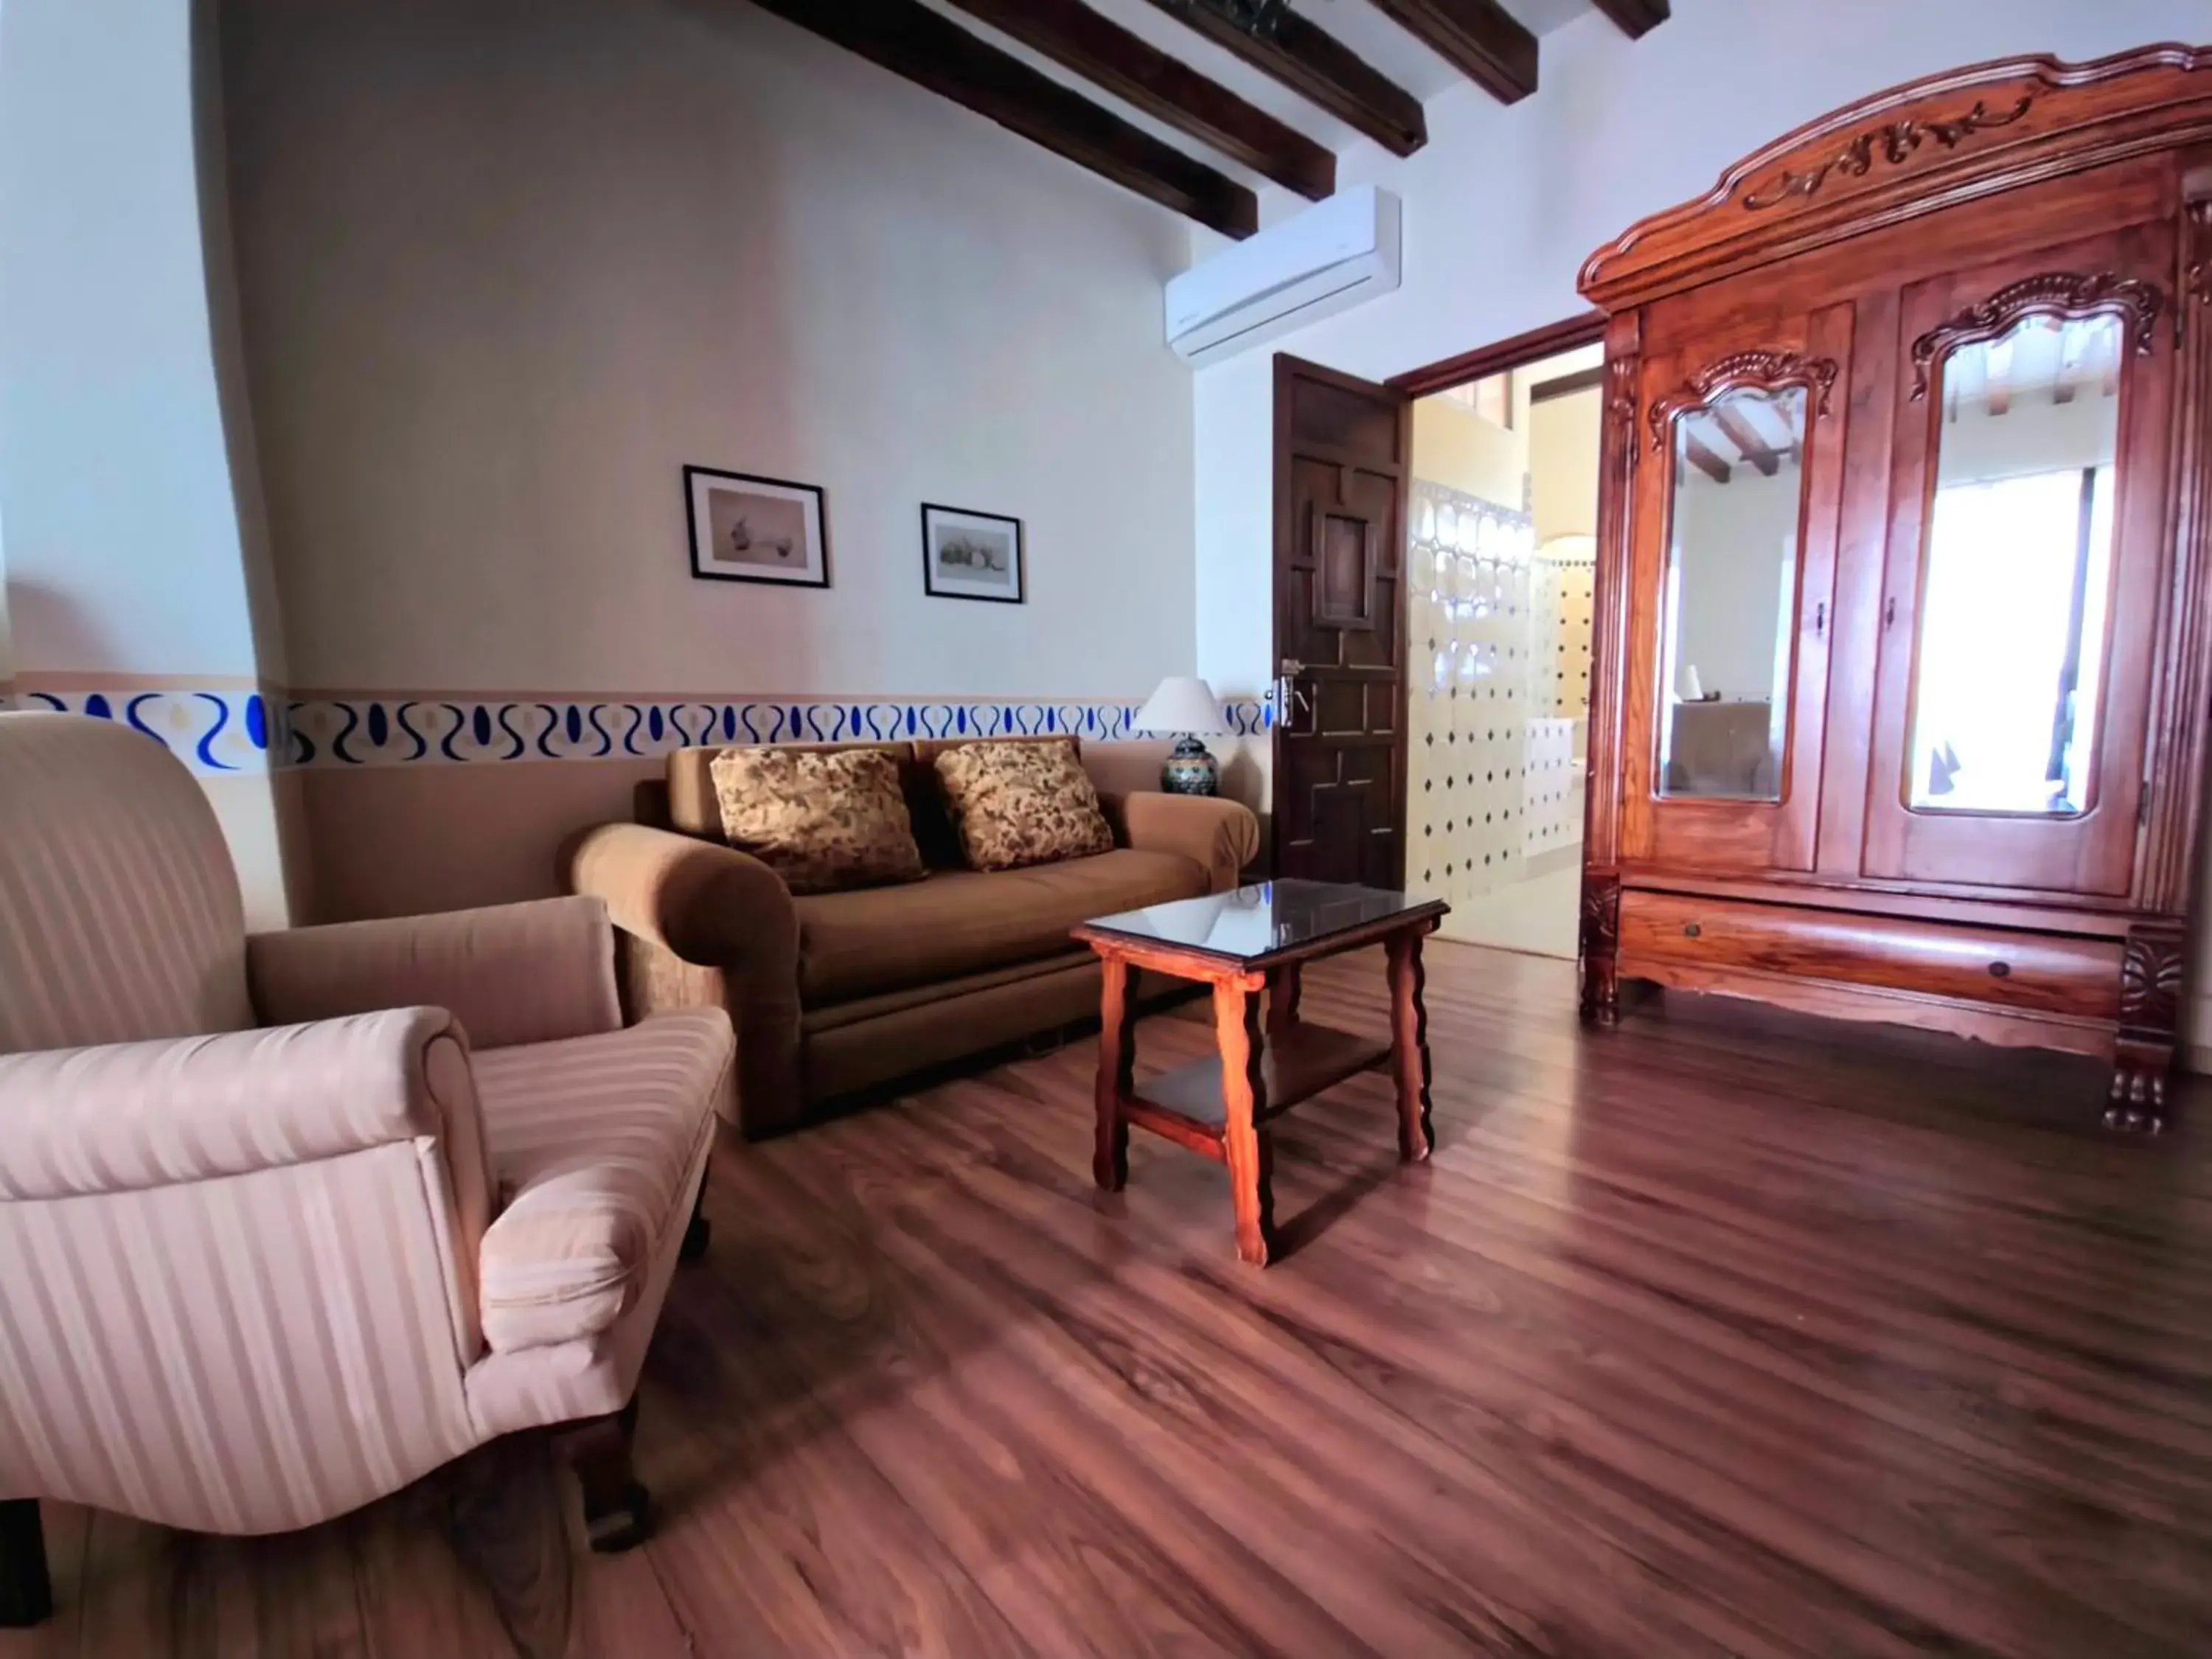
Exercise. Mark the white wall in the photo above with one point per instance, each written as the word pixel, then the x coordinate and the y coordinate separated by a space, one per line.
pixel 1731 544
pixel 507 265
pixel 1505 203
pixel 125 568
pixel 122 544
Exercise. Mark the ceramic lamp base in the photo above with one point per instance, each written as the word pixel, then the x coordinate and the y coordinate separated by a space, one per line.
pixel 1191 770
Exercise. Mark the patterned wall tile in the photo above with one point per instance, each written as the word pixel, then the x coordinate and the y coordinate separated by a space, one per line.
pixel 215 732
pixel 221 732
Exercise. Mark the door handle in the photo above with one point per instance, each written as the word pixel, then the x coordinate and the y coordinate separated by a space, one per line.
pixel 1288 698
pixel 1820 619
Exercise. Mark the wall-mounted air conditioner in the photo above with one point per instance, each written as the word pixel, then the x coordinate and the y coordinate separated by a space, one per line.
pixel 1333 256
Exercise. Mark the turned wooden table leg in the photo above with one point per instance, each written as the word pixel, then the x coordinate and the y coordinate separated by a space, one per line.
pixel 26 1594
pixel 1244 1100
pixel 1284 984
pixel 1409 1046
pixel 1117 1071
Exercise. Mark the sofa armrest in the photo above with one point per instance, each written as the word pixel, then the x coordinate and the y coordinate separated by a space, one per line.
pixel 1220 836
pixel 511 973
pixel 704 924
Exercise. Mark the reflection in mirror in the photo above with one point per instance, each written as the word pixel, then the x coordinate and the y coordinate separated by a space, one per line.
pixel 2018 575
pixel 1731 595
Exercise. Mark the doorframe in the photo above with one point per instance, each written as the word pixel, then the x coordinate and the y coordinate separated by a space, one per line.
pixel 1584 329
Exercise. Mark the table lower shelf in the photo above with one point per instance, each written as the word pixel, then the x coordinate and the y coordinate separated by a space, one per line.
pixel 1186 1104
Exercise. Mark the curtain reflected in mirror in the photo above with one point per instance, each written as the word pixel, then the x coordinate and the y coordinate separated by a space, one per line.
pixel 2017 579
pixel 1730 598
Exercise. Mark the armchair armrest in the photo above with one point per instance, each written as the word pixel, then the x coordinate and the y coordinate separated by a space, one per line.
pixel 134 1115
pixel 705 925
pixel 185 1220
pixel 511 973
pixel 1220 836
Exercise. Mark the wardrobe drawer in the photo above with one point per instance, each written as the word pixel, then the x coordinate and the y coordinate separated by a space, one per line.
pixel 2050 973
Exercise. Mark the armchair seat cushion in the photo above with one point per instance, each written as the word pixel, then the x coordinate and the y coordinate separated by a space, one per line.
pixel 591 1140
pixel 968 921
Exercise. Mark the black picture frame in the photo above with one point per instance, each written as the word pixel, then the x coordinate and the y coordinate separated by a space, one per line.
pixel 812 500
pixel 939 584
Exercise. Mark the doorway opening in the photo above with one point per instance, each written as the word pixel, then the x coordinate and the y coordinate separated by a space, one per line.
pixel 1501 554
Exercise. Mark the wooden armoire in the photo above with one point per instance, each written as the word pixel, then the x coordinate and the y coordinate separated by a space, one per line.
pixel 1899 697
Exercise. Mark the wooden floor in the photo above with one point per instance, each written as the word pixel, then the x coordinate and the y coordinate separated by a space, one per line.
pixel 1728 1332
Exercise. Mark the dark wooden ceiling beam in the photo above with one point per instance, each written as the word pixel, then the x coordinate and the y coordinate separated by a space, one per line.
pixel 1321 70
pixel 1141 75
pixel 1637 18
pixel 1698 455
pixel 1479 38
pixel 931 50
pixel 1738 431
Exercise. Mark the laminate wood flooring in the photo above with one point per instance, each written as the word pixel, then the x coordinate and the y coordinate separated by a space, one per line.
pixel 1729 1332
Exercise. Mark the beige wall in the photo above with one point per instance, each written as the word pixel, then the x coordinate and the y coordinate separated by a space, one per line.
pixel 494 831
pixel 1563 465
pixel 1455 445
pixel 508 265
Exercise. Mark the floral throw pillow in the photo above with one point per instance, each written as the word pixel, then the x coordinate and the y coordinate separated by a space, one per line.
pixel 824 821
pixel 1022 803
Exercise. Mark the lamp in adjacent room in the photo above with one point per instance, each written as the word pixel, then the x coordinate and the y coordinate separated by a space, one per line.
pixel 1186 709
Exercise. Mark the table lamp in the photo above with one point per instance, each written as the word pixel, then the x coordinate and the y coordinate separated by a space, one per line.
pixel 1185 707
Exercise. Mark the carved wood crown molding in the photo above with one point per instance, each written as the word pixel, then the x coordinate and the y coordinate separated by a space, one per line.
pixel 1764 371
pixel 1894 141
pixel 2058 294
pixel 1916 149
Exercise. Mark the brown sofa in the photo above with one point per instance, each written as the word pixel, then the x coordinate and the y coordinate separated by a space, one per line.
pixel 833 993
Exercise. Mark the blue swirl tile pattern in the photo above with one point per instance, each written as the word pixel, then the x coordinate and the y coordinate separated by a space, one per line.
pixel 220 733
pixel 400 731
pixel 215 734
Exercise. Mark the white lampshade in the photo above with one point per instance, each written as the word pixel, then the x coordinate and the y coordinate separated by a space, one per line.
pixel 1184 704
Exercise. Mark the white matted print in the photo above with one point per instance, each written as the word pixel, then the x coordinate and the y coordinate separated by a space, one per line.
pixel 971 556
pixel 747 529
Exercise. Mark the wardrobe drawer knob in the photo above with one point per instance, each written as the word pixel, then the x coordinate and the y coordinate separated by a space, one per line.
pixel 2001 970
pixel 1691 930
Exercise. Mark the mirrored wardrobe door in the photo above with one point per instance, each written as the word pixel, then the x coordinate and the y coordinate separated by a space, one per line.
pixel 2027 546
pixel 1740 461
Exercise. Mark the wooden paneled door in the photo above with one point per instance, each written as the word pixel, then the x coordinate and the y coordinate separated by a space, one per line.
pixel 1343 463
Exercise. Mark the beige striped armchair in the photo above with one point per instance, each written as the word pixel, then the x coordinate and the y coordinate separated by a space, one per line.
pixel 290 1220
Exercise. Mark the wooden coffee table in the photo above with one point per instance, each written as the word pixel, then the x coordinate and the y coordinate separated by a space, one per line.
pixel 1254 940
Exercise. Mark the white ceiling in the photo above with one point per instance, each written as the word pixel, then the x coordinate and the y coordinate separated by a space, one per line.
pixel 1358 25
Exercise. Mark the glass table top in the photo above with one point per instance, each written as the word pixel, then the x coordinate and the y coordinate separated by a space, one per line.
pixel 1272 918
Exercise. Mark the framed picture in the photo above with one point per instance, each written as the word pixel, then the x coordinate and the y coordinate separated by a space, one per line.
pixel 971 556
pixel 745 528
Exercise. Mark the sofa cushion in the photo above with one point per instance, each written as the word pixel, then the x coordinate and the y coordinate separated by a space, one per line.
pixel 822 822
pixel 1017 803
pixel 964 921
pixel 590 1139
pixel 692 807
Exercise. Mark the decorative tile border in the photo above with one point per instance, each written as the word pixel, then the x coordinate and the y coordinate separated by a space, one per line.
pixel 389 731
pixel 220 732
pixel 217 732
